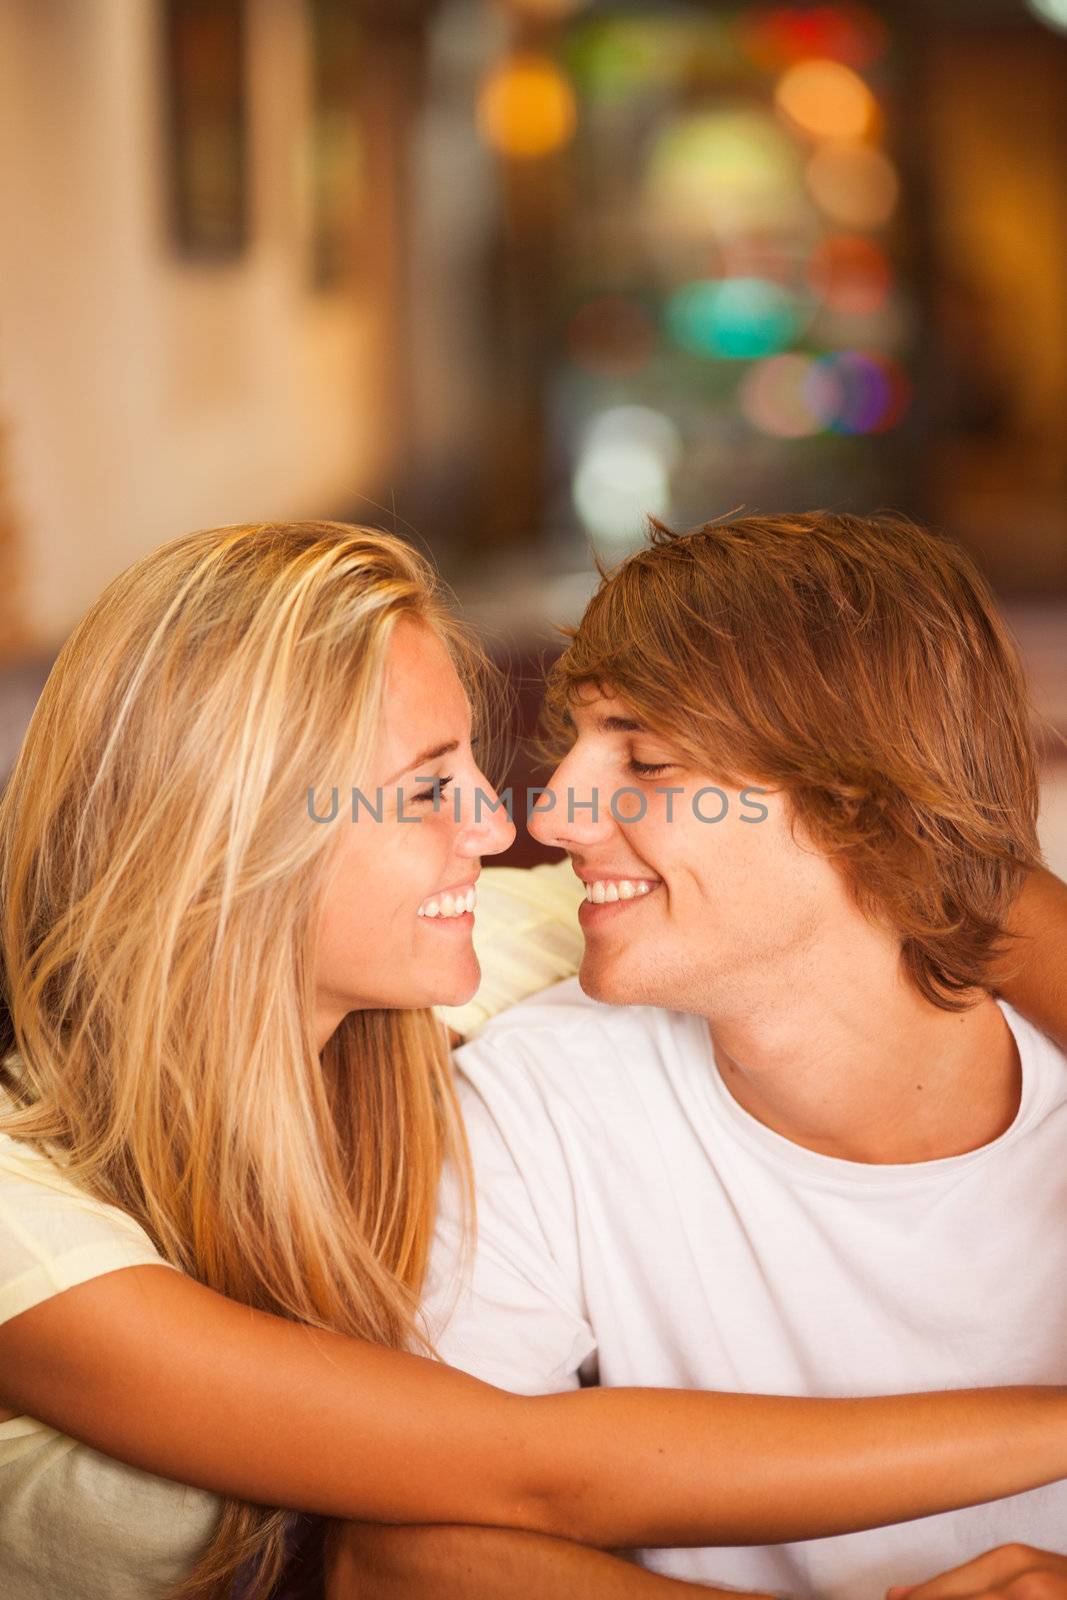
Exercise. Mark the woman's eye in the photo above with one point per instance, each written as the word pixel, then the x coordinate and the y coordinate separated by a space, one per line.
pixel 435 793
pixel 647 769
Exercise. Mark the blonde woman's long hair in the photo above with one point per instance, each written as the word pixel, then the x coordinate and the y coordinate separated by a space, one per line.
pixel 161 886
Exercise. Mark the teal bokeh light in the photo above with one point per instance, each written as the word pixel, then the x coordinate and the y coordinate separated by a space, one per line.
pixel 732 319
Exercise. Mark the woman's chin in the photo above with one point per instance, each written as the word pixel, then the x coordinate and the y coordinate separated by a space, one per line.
pixel 443 985
pixel 459 987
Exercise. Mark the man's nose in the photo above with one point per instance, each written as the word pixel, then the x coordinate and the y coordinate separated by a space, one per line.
pixel 569 811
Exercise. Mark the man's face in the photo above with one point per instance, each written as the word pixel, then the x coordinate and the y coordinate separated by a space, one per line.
pixel 715 895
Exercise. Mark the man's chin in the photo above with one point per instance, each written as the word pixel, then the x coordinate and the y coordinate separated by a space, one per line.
pixel 604 981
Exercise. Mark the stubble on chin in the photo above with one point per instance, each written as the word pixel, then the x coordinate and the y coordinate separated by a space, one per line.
pixel 604 981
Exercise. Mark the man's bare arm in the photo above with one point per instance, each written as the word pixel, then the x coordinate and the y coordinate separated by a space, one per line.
pixel 1032 973
pixel 456 1563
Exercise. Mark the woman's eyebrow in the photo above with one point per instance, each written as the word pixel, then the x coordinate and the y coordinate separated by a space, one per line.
pixel 435 754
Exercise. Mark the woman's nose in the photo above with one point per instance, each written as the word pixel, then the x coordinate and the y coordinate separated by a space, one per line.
pixel 488 826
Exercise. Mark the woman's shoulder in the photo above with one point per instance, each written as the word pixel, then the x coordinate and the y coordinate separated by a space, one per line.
pixel 53 1234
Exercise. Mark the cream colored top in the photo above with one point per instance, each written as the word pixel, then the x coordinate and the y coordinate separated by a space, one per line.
pixel 526 936
pixel 75 1524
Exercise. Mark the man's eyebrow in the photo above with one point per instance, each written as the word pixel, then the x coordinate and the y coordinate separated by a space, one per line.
pixel 610 724
pixel 435 754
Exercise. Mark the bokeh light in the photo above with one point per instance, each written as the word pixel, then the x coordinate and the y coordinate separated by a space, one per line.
pixel 855 185
pixel 612 335
pixel 850 274
pixel 734 319
pixel 624 472
pixel 1051 11
pixel 790 396
pixel 611 57
pixel 548 10
pixel 826 99
pixel 526 107
pixel 873 392
pixel 723 172
pixel 776 36
pixel 796 396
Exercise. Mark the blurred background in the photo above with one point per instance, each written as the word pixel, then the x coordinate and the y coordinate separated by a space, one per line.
pixel 507 275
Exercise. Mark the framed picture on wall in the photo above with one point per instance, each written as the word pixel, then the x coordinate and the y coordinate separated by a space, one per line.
pixel 206 94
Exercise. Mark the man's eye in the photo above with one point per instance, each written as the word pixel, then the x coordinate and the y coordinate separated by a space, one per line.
pixel 432 794
pixel 648 769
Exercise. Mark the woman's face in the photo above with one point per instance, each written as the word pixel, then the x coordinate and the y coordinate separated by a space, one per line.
pixel 390 935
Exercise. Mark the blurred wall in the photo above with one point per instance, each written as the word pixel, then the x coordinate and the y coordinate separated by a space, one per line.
pixel 996 116
pixel 123 368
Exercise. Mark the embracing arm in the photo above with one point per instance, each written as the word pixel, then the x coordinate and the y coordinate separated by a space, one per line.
pixel 152 1368
pixel 1032 975
pixel 442 1563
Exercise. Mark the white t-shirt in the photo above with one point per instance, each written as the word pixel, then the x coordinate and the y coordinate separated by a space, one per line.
pixel 74 1523
pixel 637 1226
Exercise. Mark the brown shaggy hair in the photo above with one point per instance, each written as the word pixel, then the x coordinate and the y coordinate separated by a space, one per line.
pixel 859 665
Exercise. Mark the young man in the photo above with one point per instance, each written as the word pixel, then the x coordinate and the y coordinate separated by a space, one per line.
pixel 785 1141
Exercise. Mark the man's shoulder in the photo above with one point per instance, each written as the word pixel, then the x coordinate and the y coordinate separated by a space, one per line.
pixel 1044 1069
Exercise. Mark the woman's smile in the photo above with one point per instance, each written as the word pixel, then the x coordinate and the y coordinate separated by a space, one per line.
pixel 451 905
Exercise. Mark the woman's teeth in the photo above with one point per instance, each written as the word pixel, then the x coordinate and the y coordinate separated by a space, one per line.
pixel 604 890
pixel 450 905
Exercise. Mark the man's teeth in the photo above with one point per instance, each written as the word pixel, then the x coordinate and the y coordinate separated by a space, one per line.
pixel 604 890
pixel 450 905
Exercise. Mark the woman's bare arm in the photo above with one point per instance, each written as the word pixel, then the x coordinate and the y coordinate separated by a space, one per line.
pixel 1032 975
pixel 159 1371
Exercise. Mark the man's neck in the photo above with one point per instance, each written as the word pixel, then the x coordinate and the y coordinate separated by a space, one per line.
pixel 845 1057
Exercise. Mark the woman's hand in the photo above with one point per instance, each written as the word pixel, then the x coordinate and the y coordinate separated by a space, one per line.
pixel 1010 1572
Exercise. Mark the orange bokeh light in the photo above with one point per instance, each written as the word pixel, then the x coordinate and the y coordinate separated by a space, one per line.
pixel 854 184
pixel 526 107
pixel 826 99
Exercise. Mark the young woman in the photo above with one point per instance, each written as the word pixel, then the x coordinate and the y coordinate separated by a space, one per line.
pixel 222 1076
